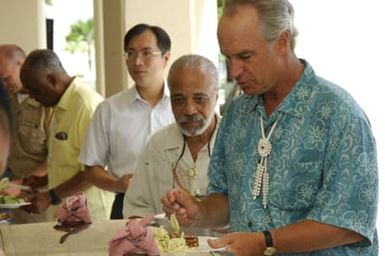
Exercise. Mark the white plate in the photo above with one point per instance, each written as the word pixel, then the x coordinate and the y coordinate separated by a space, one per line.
pixel 204 246
pixel 202 250
pixel 160 216
pixel 13 205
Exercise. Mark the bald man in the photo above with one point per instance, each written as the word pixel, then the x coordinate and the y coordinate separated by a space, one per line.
pixel 31 123
pixel 5 127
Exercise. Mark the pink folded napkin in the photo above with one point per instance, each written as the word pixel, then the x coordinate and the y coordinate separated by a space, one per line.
pixel 74 209
pixel 134 237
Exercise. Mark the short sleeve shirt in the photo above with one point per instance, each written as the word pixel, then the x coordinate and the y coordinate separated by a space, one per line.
pixel 29 143
pixel 71 118
pixel 120 129
pixel 322 167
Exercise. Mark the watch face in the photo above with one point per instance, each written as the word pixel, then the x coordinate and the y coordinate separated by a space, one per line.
pixel 269 251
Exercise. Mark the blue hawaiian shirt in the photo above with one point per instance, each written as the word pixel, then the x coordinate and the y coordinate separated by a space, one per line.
pixel 322 167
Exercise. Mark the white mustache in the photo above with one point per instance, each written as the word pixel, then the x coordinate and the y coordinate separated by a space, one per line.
pixel 194 118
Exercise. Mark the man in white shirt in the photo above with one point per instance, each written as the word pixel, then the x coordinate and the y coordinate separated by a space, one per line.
pixel 178 155
pixel 123 123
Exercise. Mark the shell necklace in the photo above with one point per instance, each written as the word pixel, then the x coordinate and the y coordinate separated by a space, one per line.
pixel 261 183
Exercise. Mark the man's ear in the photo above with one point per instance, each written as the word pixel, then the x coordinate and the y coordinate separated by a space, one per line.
pixel 282 44
pixel 51 79
pixel 166 56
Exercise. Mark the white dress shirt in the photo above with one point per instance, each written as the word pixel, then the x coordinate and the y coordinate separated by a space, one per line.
pixel 120 128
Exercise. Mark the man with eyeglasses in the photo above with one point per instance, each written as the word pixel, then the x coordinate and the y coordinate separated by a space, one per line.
pixel 178 155
pixel 123 123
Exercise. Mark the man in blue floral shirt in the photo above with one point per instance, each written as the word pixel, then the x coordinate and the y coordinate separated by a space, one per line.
pixel 294 169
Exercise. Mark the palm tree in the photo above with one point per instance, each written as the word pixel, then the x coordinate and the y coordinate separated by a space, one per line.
pixel 81 38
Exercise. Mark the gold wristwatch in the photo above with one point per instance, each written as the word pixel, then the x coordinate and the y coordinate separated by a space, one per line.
pixel 270 249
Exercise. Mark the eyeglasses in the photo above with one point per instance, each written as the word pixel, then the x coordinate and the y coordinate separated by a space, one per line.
pixel 145 55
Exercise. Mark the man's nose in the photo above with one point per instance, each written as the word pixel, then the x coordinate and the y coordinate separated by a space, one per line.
pixel 235 68
pixel 190 107
pixel 138 59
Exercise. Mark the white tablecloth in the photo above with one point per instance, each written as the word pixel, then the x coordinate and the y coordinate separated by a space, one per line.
pixel 42 239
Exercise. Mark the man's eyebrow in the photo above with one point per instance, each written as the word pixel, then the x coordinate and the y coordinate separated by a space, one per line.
pixel 200 94
pixel 141 49
pixel 177 95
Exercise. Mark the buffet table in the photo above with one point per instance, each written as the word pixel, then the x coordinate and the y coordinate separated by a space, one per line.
pixel 42 239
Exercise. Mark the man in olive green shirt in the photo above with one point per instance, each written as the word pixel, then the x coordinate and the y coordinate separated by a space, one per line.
pixel 31 120
pixel 31 123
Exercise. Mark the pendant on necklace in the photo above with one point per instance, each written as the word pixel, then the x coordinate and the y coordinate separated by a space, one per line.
pixel 192 173
pixel 264 147
pixel 261 183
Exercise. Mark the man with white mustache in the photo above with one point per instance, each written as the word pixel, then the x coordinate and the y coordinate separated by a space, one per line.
pixel 178 155
pixel 202 123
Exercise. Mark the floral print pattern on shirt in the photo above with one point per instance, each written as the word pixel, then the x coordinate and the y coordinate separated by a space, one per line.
pixel 323 164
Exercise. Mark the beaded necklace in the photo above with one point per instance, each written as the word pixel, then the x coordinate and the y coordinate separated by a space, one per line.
pixel 261 183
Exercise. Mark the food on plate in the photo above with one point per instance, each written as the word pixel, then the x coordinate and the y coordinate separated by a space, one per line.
pixel 4 183
pixel 191 241
pixel 8 199
pixel 6 196
pixel 177 241
pixel 169 244
pixel 4 216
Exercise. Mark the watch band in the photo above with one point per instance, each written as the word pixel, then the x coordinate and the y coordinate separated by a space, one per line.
pixel 55 200
pixel 268 238
pixel 269 250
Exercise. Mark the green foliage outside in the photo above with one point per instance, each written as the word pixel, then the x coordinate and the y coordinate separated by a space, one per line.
pixel 220 7
pixel 81 38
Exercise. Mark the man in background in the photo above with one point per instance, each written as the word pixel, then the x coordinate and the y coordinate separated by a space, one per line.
pixel 31 119
pixel 73 104
pixel 31 124
pixel 179 154
pixel 123 123
pixel 5 128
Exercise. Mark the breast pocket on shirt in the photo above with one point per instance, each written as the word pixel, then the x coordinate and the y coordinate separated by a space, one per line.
pixel 32 140
pixel 296 188
pixel 62 150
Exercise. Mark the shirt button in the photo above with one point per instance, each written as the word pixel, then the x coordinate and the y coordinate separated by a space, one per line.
pixel 250 224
